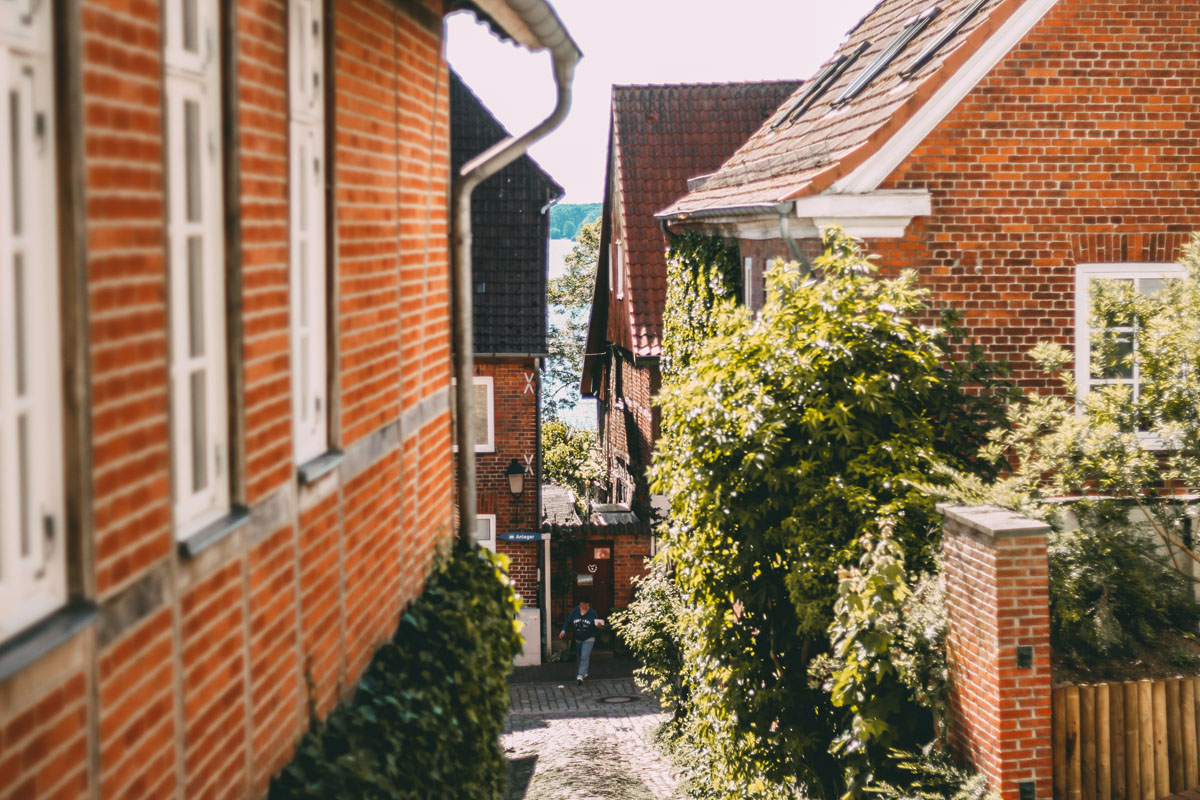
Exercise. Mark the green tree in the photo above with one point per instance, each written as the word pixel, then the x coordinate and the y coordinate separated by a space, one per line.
pixel 570 299
pixel 569 458
pixel 784 441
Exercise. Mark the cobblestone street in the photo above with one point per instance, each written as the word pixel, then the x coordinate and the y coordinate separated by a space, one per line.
pixel 590 742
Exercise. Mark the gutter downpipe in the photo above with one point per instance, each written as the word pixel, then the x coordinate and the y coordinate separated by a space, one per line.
pixel 784 210
pixel 540 18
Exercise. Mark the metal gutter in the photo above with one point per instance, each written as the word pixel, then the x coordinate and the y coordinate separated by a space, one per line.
pixel 535 25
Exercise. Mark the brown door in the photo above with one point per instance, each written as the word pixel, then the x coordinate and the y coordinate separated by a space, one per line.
pixel 594 575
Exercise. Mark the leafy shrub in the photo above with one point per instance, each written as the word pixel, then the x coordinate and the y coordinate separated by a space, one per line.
pixel 1111 590
pixel 425 719
pixel 654 628
pixel 865 679
pixel 787 437
pixel 931 775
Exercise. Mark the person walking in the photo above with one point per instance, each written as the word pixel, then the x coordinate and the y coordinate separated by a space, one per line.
pixel 583 622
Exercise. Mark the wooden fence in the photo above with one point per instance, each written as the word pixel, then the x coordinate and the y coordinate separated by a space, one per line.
pixel 1126 741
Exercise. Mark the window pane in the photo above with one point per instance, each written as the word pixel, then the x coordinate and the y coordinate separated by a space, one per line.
pixel 1111 301
pixel 19 321
pixel 1151 287
pixel 195 268
pixel 190 26
pixel 199 432
pixel 191 140
pixel 23 480
pixel 1112 355
pixel 481 414
pixel 14 138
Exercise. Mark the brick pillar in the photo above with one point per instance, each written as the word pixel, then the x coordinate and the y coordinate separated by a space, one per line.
pixel 998 605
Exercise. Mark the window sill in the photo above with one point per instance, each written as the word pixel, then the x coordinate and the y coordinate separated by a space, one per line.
pixel 312 471
pixel 210 534
pixel 31 644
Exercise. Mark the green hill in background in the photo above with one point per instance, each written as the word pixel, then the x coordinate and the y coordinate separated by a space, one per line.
pixel 565 219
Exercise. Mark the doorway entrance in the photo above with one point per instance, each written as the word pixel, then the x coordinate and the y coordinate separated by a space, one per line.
pixel 594 575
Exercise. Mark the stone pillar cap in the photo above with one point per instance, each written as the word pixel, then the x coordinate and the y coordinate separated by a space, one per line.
pixel 992 520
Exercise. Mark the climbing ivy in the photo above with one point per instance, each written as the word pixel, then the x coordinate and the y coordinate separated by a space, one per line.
pixel 703 274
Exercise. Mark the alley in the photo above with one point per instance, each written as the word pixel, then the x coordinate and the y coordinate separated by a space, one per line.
pixel 590 742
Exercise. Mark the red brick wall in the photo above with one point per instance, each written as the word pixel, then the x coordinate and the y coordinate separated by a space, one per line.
pixel 192 678
pixel 630 551
pixel 515 387
pixel 1076 148
pixel 624 460
pixel 997 599
pixel 1079 141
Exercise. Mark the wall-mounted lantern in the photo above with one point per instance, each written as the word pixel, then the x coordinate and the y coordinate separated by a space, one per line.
pixel 516 477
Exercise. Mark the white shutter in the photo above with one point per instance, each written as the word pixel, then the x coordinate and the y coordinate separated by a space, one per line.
pixel 32 545
pixel 306 194
pixel 196 263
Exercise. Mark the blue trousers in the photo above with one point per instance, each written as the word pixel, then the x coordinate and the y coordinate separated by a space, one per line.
pixel 585 657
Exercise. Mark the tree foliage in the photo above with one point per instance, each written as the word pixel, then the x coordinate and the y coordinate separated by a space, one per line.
pixel 566 219
pixel 784 441
pixel 570 299
pixel 569 458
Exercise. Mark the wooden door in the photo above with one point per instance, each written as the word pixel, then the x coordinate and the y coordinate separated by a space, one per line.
pixel 594 575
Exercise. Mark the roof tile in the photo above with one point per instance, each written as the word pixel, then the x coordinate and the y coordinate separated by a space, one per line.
pixel 662 136
pixel 781 161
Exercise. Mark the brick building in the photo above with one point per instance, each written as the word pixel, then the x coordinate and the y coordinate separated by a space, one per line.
pixel 225 455
pixel 659 137
pixel 1010 151
pixel 510 222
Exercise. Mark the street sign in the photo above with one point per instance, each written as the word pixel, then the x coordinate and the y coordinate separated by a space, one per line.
pixel 520 536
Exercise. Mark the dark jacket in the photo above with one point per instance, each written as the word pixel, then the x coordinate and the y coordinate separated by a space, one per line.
pixel 584 625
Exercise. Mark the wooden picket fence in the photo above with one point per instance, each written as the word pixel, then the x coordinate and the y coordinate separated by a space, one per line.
pixel 1126 741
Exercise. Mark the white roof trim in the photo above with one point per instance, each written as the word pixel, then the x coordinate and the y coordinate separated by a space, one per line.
pixel 876 169
pixel 876 215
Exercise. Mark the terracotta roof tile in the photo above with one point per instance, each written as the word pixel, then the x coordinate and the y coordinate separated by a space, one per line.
pixel 663 135
pixel 785 159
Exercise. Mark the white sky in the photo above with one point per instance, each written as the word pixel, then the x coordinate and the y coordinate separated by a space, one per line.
pixel 641 41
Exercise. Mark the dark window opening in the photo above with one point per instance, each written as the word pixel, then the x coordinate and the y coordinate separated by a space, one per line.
pixel 894 48
pixel 819 84
pixel 937 44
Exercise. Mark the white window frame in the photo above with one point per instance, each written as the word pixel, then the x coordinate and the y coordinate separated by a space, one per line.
pixel 1084 275
pixel 306 198
pixel 490 543
pixel 194 76
pixel 33 573
pixel 747 281
pixel 486 381
pixel 616 257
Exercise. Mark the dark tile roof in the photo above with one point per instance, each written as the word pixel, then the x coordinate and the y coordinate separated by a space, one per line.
pixel 661 136
pixel 805 155
pixel 510 231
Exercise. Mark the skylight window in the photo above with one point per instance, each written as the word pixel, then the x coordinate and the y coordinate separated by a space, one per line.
pixel 817 86
pixel 937 44
pixel 911 30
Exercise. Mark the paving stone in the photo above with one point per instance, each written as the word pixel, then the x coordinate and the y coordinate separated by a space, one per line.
pixel 564 742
